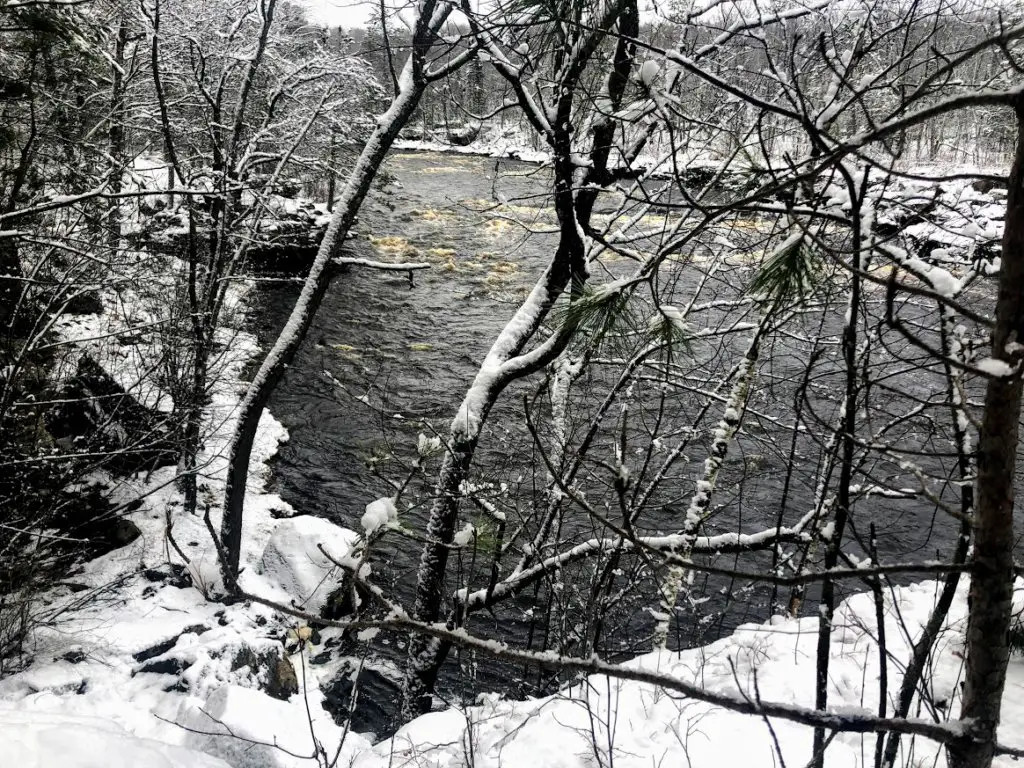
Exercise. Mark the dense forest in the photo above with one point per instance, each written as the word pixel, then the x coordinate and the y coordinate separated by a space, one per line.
pixel 676 345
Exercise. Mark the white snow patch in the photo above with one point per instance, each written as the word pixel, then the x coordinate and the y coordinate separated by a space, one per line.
pixel 247 728
pixel 993 367
pixel 378 514
pixel 48 740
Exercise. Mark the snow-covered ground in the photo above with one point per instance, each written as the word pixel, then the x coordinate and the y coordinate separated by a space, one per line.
pixel 132 665
pixel 492 141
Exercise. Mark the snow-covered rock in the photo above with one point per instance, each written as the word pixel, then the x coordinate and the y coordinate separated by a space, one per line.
pixel 293 562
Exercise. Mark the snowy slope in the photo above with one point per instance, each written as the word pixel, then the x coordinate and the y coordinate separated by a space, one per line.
pixel 140 669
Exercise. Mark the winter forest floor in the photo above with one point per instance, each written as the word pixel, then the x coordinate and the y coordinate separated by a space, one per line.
pixel 143 671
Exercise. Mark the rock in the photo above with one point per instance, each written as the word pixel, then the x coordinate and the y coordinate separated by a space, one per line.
pixel 177 577
pixel 984 186
pixel 124 532
pixel 85 303
pixel 379 700
pixel 324 657
pixel 293 562
pixel 283 683
pixel 464 136
pixel 274 671
pixel 168 666
pixel 100 417
pixel 159 649
pixel 340 603
pixel 698 175
pixel 74 656
pixel 286 240
pixel 91 528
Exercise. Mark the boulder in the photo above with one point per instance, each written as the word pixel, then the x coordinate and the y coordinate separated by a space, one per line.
pixel 293 562
pixel 378 699
pixel 464 136
pixel 91 526
pixel 984 186
pixel 271 668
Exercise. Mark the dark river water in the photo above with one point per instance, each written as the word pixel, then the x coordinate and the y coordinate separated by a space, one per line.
pixel 401 356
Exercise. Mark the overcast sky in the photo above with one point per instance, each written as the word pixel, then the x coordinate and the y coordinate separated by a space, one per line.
pixel 354 13
pixel 338 13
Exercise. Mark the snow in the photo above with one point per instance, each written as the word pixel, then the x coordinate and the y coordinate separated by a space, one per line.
pixel 492 141
pixel 378 514
pixel 675 318
pixel 990 366
pixel 605 721
pixel 427 446
pixel 649 71
pixel 464 537
pixel 244 727
pixel 294 564
pixel 86 700
pixel 44 740
pixel 106 709
pixel 55 708
pixel 940 279
pixel 469 418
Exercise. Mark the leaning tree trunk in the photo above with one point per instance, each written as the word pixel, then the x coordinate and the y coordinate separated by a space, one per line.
pixel 413 83
pixel 506 361
pixel 504 364
pixel 991 595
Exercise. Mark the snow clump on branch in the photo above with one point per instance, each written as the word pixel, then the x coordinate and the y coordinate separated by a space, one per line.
pixel 378 514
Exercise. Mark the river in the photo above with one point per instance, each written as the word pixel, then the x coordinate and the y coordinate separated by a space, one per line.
pixel 401 355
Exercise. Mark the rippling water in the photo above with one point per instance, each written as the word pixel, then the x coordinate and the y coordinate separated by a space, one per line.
pixel 404 355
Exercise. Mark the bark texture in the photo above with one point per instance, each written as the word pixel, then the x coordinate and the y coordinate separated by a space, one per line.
pixel 991 593
pixel 414 82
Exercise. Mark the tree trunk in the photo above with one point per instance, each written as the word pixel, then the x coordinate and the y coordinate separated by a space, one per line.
pixel 506 361
pixel 10 281
pixel 115 135
pixel 315 287
pixel 826 605
pixel 426 654
pixel 991 593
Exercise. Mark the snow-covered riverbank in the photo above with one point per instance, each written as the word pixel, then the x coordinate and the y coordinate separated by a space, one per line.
pixel 92 697
pixel 140 669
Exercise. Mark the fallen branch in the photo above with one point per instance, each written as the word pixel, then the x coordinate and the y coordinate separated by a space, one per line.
pixel 343 261
pixel 849 721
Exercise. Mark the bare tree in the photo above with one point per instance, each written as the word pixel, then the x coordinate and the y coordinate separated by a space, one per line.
pixel 416 73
